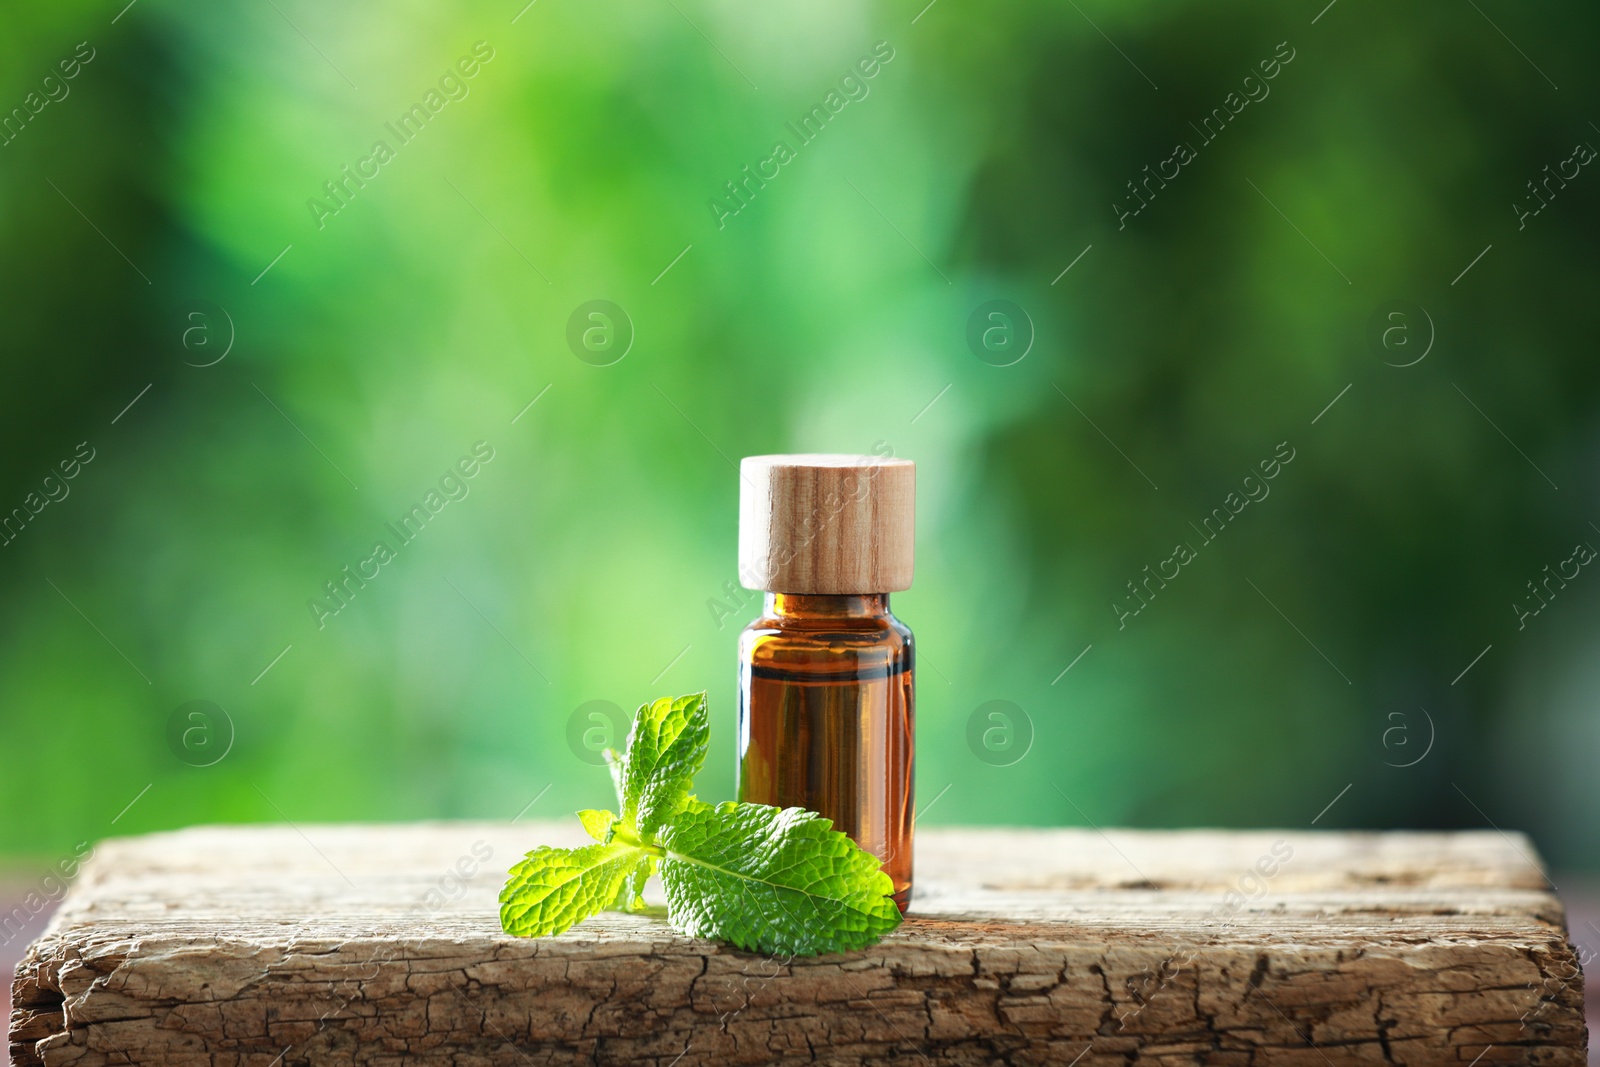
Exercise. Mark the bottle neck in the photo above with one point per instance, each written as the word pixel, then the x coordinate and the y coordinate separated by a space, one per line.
pixel 826 605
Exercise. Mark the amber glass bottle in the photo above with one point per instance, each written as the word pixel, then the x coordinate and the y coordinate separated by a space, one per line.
pixel 826 696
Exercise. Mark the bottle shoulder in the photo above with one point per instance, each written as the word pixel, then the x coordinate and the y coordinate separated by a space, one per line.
pixel 881 626
pixel 880 638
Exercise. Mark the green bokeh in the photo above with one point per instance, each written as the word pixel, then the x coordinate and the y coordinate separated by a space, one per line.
pixel 1178 352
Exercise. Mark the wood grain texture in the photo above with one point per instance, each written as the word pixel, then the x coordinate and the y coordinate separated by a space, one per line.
pixel 250 947
pixel 821 523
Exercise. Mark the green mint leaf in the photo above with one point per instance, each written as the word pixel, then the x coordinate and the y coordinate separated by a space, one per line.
pixel 552 889
pixel 598 824
pixel 772 880
pixel 602 826
pixel 666 747
pixel 631 896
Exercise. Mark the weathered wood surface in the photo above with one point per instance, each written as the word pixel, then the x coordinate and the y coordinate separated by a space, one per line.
pixel 380 945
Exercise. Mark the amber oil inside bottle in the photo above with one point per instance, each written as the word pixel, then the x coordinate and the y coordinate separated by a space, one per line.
pixel 825 719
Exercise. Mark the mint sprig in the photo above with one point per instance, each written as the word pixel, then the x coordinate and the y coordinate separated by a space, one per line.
pixel 765 879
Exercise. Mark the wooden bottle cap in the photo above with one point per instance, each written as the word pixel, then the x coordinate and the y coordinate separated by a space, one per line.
pixel 819 523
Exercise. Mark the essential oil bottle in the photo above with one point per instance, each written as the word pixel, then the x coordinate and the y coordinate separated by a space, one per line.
pixel 826 694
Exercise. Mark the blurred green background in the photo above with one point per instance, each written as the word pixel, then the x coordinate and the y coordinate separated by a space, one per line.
pixel 160 207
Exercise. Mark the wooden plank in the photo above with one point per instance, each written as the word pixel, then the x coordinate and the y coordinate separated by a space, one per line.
pixel 256 946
